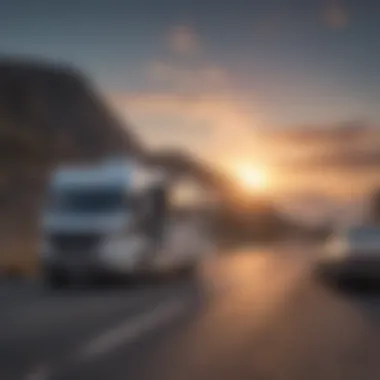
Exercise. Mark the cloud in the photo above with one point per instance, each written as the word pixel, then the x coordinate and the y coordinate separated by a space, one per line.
pixel 212 125
pixel 333 159
pixel 193 107
pixel 333 133
pixel 183 40
pixel 216 127
pixel 335 14
pixel 343 160
pixel 348 146
pixel 189 77
pixel 185 71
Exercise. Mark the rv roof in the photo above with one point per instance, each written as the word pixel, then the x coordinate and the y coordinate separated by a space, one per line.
pixel 127 174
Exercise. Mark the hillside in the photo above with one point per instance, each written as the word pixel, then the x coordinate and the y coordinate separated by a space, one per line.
pixel 52 112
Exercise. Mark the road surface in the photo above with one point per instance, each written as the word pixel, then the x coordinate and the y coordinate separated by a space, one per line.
pixel 251 314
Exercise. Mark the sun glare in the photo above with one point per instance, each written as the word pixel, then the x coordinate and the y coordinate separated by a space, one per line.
pixel 251 177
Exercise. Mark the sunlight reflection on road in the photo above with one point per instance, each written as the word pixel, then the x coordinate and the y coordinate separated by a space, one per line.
pixel 271 319
pixel 248 297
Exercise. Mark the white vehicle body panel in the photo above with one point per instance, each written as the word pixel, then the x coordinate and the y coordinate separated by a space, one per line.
pixel 120 248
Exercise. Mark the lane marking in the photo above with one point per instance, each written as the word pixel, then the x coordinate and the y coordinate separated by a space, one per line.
pixel 125 333
pixel 41 373
pixel 131 330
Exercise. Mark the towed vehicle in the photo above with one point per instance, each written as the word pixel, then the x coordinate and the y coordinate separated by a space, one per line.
pixel 353 254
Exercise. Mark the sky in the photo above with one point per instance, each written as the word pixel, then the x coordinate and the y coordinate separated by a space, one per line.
pixel 290 86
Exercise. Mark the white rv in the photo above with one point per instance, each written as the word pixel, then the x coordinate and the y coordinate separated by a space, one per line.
pixel 120 219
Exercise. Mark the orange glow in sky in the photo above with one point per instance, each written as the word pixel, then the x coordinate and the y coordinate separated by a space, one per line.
pixel 252 178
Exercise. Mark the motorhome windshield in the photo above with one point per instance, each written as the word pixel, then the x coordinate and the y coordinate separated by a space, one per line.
pixel 88 200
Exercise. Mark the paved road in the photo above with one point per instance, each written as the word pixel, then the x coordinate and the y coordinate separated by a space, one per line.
pixel 254 314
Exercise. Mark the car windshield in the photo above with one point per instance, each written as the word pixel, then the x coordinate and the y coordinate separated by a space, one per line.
pixel 87 200
pixel 368 233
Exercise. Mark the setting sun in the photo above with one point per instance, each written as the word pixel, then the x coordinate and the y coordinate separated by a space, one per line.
pixel 252 178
